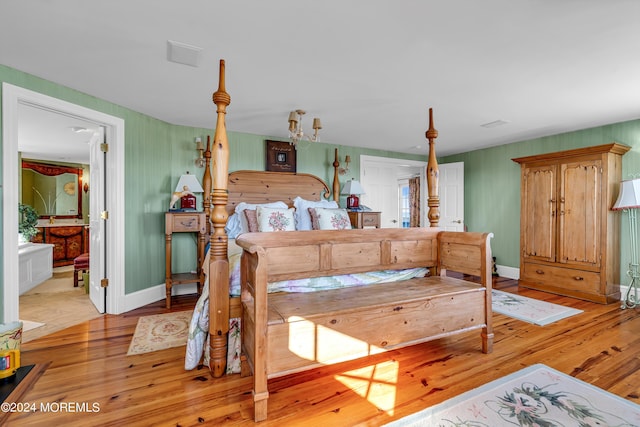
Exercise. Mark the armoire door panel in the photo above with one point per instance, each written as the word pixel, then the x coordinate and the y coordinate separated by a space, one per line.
pixel 579 216
pixel 539 213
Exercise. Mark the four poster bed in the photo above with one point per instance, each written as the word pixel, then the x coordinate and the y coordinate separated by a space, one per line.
pixel 287 326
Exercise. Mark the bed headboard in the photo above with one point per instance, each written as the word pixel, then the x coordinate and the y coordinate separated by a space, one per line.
pixel 264 187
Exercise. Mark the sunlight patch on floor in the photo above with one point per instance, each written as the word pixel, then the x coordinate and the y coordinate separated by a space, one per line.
pixel 376 383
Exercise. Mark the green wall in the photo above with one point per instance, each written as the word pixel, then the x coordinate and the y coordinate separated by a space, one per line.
pixel 156 154
pixel 492 183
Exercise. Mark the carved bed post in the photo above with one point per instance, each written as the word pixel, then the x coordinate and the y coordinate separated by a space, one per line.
pixel 206 184
pixel 219 263
pixel 336 181
pixel 432 174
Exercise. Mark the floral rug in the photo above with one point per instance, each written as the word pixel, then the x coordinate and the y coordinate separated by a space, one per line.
pixel 28 325
pixel 528 309
pixel 159 332
pixel 534 396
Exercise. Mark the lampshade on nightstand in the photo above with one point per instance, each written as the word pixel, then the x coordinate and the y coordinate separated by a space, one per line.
pixel 353 189
pixel 187 185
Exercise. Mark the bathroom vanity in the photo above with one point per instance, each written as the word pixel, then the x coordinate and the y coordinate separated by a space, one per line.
pixel 70 241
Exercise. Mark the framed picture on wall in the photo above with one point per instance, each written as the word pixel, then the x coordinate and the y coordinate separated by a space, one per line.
pixel 281 156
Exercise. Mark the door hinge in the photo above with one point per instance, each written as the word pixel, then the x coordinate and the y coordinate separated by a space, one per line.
pixel 104 283
pixel 104 215
pixel 104 147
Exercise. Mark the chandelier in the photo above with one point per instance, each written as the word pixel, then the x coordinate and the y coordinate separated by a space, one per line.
pixel 296 134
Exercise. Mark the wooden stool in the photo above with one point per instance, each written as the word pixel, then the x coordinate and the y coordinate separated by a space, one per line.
pixel 80 263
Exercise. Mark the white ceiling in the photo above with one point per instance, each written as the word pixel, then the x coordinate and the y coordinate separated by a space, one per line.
pixel 370 69
pixel 47 135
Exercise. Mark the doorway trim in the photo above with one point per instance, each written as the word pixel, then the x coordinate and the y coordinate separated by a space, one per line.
pixel 12 96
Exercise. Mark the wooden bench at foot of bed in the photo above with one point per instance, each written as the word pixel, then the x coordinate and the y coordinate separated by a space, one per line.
pixel 284 333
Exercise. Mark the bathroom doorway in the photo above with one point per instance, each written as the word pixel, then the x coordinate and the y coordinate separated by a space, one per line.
pixel 14 98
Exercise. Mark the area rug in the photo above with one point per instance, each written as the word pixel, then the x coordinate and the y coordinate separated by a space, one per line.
pixel 528 309
pixel 534 396
pixel 159 332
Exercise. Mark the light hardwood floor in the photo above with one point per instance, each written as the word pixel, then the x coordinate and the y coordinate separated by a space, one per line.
pixel 89 365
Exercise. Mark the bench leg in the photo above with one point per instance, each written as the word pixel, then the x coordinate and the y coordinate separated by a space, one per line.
pixel 245 368
pixel 75 278
pixel 260 405
pixel 487 341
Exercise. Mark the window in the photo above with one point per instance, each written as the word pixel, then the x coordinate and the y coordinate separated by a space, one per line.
pixel 405 209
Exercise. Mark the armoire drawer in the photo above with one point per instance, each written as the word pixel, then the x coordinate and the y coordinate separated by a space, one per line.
pixel 558 277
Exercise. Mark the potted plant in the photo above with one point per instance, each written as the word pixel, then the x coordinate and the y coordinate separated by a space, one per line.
pixel 27 227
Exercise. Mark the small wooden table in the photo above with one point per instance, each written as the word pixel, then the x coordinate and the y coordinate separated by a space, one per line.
pixel 184 222
pixel 361 219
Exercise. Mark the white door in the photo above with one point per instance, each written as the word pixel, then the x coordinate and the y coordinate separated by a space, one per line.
pixel 451 192
pixel 381 192
pixel 97 234
pixel 379 177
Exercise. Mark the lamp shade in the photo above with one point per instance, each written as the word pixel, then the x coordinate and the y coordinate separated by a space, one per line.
pixel 352 187
pixel 629 197
pixel 191 182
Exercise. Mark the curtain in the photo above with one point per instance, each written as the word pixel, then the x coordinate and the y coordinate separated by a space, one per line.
pixel 414 202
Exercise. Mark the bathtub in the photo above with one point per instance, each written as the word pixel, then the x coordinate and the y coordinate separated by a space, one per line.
pixel 35 264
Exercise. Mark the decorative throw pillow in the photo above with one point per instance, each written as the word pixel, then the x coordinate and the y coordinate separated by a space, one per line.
pixel 252 220
pixel 333 219
pixel 314 219
pixel 243 205
pixel 303 219
pixel 275 219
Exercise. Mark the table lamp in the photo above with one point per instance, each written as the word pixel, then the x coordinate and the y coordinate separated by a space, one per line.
pixel 187 185
pixel 353 189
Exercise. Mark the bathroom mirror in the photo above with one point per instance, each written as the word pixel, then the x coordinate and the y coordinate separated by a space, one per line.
pixel 53 190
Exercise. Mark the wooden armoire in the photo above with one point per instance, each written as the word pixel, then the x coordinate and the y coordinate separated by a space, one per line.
pixel 569 237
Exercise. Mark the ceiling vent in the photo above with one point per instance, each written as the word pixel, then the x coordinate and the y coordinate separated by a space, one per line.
pixel 183 53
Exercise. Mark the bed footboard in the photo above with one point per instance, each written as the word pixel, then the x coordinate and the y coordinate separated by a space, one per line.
pixel 288 332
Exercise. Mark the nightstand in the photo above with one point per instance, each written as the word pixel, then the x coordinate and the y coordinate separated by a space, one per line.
pixel 361 219
pixel 184 222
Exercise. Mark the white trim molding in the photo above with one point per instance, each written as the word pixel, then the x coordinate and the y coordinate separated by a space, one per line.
pixel 12 97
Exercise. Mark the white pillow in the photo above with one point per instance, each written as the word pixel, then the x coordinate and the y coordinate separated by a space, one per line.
pixel 303 219
pixel 244 225
pixel 233 227
pixel 275 219
pixel 333 219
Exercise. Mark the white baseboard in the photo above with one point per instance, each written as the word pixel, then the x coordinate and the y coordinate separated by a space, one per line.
pixel 155 293
pixel 509 272
pixel 623 292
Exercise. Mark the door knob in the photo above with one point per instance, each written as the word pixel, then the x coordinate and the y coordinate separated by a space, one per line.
pixel 457 221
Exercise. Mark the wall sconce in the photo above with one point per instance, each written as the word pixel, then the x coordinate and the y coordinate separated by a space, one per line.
pixel 200 148
pixel 85 187
pixel 296 134
pixel 345 170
